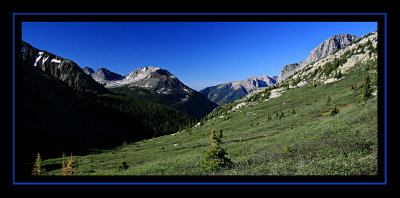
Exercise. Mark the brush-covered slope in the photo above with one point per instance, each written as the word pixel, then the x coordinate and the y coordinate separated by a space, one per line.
pixel 289 132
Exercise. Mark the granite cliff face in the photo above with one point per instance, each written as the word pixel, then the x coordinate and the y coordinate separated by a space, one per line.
pixel 329 46
pixel 64 69
pixel 326 48
pixel 231 91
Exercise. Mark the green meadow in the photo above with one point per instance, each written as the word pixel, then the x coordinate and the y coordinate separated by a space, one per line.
pixel 305 141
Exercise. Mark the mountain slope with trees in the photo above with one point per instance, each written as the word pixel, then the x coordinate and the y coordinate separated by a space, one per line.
pixel 54 115
pixel 314 123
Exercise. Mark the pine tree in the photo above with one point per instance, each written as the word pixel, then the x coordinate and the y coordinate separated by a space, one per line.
pixel 71 167
pixel 328 100
pixel 281 115
pixel 333 111
pixel 37 167
pixel 367 91
pixel 122 165
pixel 214 158
pixel 220 134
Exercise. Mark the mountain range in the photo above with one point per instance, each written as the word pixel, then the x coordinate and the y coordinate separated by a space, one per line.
pixel 62 107
pixel 156 85
pixel 231 91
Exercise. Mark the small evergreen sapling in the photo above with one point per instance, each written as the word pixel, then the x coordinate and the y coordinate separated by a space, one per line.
pixel 71 167
pixel 333 111
pixel 328 100
pixel 367 90
pixel 122 165
pixel 214 158
pixel 37 167
pixel 281 115
pixel 287 149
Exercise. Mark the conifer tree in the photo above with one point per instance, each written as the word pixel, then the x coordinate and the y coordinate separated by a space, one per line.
pixel 367 91
pixel 37 167
pixel 122 165
pixel 71 167
pixel 281 115
pixel 328 100
pixel 333 111
pixel 214 158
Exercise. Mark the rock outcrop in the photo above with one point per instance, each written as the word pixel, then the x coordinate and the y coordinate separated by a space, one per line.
pixel 326 48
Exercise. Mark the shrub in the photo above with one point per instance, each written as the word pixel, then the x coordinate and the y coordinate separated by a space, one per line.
pixel 287 149
pixel 37 167
pixel 338 75
pixel 333 111
pixel 122 165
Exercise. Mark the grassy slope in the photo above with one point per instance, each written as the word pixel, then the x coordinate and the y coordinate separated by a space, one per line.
pixel 345 144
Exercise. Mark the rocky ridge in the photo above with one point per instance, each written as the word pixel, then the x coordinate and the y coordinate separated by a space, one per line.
pixel 231 91
pixel 151 78
pixel 307 75
pixel 64 69
pixel 329 46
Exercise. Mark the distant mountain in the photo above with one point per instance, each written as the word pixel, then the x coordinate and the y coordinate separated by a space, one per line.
pixel 329 46
pixel 156 85
pixel 89 71
pixel 103 76
pixel 231 91
pixel 64 69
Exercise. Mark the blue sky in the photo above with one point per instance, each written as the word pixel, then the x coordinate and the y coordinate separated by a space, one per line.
pixel 200 54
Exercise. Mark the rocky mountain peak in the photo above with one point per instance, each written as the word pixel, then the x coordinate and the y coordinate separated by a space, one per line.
pixel 64 69
pixel 103 75
pixel 89 71
pixel 329 46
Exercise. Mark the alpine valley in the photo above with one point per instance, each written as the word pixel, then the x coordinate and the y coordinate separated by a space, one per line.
pixel 156 85
pixel 318 117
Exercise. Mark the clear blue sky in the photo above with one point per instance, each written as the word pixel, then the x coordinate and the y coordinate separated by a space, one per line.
pixel 200 54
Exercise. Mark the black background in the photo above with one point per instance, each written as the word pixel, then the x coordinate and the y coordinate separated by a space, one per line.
pixel 184 182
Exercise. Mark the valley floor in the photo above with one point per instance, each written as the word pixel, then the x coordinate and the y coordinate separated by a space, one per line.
pixel 307 142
